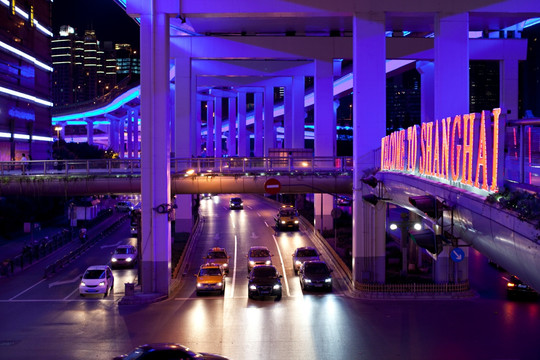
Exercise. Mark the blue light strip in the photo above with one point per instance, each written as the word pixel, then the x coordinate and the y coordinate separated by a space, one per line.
pixel 26 137
pixel 25 96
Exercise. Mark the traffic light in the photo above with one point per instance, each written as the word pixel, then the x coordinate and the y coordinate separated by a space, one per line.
pixel 428 240
pixel 429 205
pixel 371 181
pixel 372 199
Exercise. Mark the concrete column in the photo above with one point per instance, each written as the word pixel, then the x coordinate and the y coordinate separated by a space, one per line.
pixel 509 87
pixel 258 149
pixel 324 122
pixel 129 127
pixel 231 139
pixel 182 109
pixel 210 128
pixel 369 126
pixel 243 136
pixel 113 133
pixel 427 84
pixel 269 133
pixel 298 113
pixel 121 134
pixel 183 213
pixel 90 131
pixel 451 87
pixel 198 126
pixel 218 111
pixel 288 117
pixel 155 159
pixel 136 143
pixel 323 205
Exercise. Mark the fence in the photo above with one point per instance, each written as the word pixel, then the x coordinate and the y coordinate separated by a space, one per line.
pixel 414 288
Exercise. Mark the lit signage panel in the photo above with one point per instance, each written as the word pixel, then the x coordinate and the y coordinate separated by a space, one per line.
pixel 464 151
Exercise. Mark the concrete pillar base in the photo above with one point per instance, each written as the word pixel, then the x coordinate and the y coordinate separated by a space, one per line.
pixel 155 272
pixel 369 269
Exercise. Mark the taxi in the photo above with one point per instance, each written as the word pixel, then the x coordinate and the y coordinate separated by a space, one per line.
pixel 287 218
pixel 210 278
pixel 218 256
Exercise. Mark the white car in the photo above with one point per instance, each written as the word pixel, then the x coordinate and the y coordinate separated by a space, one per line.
pixel 124 206
pixel 97 279
pixel 124 256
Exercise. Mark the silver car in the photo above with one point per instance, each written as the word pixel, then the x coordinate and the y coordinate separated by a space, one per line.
pixel 303 254
pixel 258 255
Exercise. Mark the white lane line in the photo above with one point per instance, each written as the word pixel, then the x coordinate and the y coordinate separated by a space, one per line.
pixel 259 214
pixel 249 207
pixel 283 266
pixel 22 292
pixel 266 224
pixel 57 283
pixel 71 293
pixel 234 265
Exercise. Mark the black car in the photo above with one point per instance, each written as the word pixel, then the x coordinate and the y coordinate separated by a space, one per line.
pixel 166 351
pixel 264 280
pixel 236 203
pixel 515 288
pixel 315 275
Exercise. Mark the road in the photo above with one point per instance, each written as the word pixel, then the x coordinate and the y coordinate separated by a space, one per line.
pixel 47 319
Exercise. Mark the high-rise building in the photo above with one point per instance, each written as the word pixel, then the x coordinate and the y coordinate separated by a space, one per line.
pixel 127 61
pixel 25 80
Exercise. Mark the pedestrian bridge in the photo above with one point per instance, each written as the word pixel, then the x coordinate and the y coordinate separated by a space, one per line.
pixel 188 176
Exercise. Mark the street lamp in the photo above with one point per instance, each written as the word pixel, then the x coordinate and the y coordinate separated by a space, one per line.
pixel 58 129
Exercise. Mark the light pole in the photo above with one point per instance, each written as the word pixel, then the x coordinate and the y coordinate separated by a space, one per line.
pixel 58 129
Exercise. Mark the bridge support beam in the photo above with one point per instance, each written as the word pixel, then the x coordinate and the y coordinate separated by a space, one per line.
pixel 243 136
pixel 269 134
pixel 210 128
pixel 324 203
pixel 258 150
pixel 231 139
pixel 218 111
pixel 155 159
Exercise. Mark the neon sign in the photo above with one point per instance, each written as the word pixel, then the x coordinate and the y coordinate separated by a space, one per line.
pixel 464 151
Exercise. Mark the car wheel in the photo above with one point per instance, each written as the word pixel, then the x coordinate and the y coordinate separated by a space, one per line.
pixel 295 271
pixel 301 285
pixel 82 295
pixel 278 298
pixel 198 293
pixel 250 296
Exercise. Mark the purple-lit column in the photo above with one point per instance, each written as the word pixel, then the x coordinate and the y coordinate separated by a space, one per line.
pixel 90 131
pixel 113 132
pixel 269 134
pixel 243 136
pixel 210 128
pixel 258 133
pixel 451 85
pixel 198 126
pixel 129 131
pixel 155 157
pixel 509 87
pixel 427 83
pixel 369 126
pixel 121 134
pixel 231 139
pixel 218 113
pixel 298 110
pixel 288 117
pixel 136 143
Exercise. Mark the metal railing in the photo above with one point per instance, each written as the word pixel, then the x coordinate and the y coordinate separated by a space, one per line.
pixel 187 166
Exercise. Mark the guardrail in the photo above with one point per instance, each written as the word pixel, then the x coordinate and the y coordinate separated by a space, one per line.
pixel 185 166
pixel 413 288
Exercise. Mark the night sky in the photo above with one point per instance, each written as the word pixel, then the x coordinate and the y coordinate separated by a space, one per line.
pixel 109 20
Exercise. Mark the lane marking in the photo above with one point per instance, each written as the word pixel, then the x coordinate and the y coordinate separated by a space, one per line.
pixel 234 265
pixel 283 266
pixel 22 292
pixel 266 224
pixel 57 283
pixel 71 293
pixel 259 214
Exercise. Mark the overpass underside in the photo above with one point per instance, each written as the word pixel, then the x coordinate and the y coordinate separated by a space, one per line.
pixel 57 185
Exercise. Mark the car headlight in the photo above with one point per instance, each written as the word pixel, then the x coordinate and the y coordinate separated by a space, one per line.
pixel 329 280
pixel 277 287
pixel 225 265
pixel 252 287
pixel 129 259
pixel 102 283
pixel 298 262
pixel 296 221
pixel 283 221
pixel 114 259
pixel 252 263
pixel 268 262
pixel 199 284
pixel 307 280
pixel 83 284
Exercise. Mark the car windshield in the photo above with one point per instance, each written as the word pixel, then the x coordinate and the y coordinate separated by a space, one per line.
pixel 317 268
pixel 94 274
pixel 264 271
pixel 124 251
pixel 210 272
pixel 236 200
pixel 287 213
pixel 306 253
pixel 217 255
pixel 259 253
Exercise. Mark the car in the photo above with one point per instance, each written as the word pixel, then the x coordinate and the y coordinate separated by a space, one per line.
pixel 206 196
pixel 210 278
pixel 236 203
pixel 264 280
pixel 516 288
pixel 124 206
pixel 124 256
pixel 168 351
pixel 343 200
pixel 258 255
pixel 287 218
pixel 97 279
pixel 315 275
pixel 218 255
pixel 302 254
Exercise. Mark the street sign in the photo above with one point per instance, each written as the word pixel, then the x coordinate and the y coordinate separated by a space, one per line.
pixel 457 255
pixel 272 186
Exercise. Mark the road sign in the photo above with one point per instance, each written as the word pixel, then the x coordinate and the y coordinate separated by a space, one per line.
pixel 272 186
pixel 457 255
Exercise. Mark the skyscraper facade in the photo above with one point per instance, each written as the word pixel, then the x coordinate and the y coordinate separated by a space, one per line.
pixel 25 78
